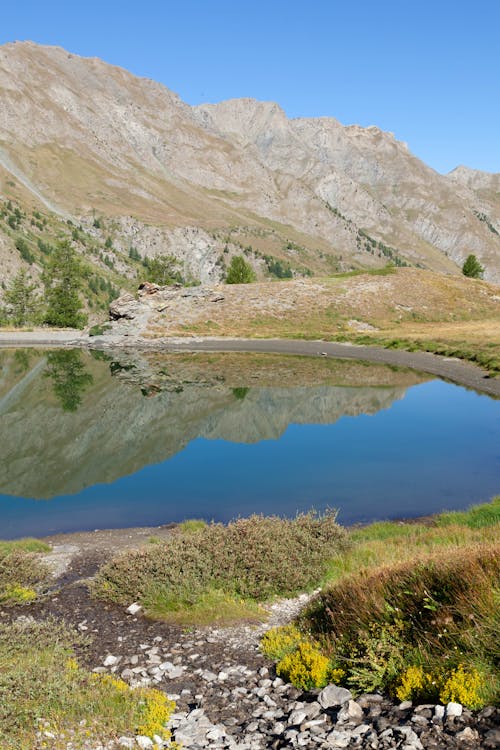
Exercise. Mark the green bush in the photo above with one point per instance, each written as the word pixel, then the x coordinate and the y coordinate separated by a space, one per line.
pixel 21 573
pixel 99 329
pixel 253 558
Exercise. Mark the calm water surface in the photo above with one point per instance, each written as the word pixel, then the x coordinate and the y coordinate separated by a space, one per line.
pixel 90 442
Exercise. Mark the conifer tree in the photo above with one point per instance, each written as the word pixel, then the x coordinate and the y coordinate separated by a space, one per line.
pixel 21 300
pixel 63 280
pixel 472 267
pixel 239 271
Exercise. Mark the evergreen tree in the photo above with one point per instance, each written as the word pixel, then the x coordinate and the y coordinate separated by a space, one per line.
pixel 472 267
pixel 69 377
pixel 63 281
pixel 239 271
pixel 21 300
pixel 161 270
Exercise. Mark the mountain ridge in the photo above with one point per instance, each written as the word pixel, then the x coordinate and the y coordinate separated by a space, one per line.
pixel 204 182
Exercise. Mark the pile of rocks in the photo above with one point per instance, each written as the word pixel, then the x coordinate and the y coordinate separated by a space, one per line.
pixel 332 719
pixel 239 708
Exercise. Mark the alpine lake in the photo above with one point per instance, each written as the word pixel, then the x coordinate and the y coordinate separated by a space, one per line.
pixel 121 439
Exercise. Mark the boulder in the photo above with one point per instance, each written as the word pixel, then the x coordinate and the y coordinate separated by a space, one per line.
pixel 123 307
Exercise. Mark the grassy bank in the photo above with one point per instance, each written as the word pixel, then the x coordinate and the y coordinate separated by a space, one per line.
pixel 48 701
pixel 410 609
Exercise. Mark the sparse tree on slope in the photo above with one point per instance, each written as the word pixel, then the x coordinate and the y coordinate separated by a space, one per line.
pixel 239 271
pixel 472 267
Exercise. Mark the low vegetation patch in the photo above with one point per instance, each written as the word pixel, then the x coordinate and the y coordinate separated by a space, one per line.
pixel 21 570
pixel 222 572
pixel 48 698
pixel 413 610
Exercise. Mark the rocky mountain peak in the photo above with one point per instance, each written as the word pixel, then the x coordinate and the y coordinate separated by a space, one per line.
pixel 86 137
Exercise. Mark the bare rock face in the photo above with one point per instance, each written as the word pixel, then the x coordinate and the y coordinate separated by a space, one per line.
pixel 123 307
pixel 183 172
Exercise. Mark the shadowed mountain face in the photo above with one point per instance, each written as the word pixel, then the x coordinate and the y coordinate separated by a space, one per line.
pixel 69 420
pixel 80 136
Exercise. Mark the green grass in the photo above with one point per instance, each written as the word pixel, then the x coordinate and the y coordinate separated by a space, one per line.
pixel 191 525
pixel 40 679
pixel 476 517
pixel 22 573
pixel 392 542
pixel 207 571
pixel 212 605
pixel 385 271
pixel 23 545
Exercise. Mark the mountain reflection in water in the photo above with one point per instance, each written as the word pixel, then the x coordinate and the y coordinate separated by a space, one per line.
pixel 128 439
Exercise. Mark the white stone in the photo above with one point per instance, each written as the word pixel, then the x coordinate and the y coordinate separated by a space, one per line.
pixel 332 696
pixel 127 742
pixel 134 608
pixel 145 743
pixel 439 712
pixel 338 739
pixel 296 717
pixel 454 709
pixel 175 672
pixel 111 660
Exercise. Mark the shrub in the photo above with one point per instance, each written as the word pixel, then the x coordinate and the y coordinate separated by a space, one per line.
pixel 463 686
pixel 305 667
pixel 20 573
pixel 253 558
pixel 415 684
pixel 99 329
pixel 279 642
pixel 13 593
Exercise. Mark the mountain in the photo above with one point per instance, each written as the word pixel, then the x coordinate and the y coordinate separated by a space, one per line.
pixel 126 169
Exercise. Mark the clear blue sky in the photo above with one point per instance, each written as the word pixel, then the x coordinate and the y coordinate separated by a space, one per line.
pixel 427 70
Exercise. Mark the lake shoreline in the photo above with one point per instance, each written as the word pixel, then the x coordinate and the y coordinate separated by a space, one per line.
pixel 447 368
pixel 124 538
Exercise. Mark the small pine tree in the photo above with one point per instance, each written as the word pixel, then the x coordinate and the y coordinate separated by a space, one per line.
pixel 472 267
pixel 21 300
pixel 239 271
pixel 162 270
pixel 63 280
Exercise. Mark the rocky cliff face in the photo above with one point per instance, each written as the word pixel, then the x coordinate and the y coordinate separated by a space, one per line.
pixel 81 137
